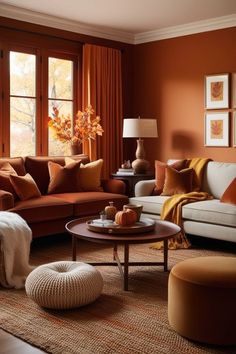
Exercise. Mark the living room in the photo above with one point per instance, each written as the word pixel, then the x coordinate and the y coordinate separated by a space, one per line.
pixel 164 66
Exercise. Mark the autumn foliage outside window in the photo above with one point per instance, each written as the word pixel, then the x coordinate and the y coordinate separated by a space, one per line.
pixel 85 127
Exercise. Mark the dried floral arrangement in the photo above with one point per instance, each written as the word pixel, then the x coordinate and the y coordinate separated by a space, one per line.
pixel 85 127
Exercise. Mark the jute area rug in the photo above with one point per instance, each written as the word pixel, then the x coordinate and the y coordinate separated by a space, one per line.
pixel 118 322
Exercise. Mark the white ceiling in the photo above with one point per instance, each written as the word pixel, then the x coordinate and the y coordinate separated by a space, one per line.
pixel 129 17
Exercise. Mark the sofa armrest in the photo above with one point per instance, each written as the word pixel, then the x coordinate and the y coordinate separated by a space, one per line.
pixel 144 188
pixel 113 186
pixel 6 200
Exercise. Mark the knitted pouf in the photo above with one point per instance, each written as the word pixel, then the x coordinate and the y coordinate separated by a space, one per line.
pixel 64 285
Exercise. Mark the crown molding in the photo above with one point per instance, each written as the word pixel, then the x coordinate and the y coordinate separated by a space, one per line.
pixel 212 24
pixel 187 29
pixel 21 14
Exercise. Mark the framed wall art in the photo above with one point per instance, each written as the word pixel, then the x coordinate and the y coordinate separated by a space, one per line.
pixel 216 129
pixel 217 91
pixel 234 90
pixel 234 130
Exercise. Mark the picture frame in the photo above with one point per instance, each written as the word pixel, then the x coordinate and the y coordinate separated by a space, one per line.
pixel 234 129
pixel 217 91
pixel 216 130
pixel 234 90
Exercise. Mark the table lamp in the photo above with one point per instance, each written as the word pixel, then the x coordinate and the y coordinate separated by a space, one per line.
pixel 140 128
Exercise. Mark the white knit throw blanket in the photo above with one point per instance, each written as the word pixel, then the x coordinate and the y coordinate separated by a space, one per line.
pixel 15 237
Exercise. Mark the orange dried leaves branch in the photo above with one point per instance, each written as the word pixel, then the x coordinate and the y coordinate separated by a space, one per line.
pixel 85 127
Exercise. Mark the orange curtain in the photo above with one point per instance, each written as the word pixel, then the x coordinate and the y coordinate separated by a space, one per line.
pixel 102 88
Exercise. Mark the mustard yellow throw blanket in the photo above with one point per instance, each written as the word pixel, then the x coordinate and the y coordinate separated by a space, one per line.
pixel 172 208
pixel 198 164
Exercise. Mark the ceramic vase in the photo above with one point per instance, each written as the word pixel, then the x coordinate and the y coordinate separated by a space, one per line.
pixel 110 211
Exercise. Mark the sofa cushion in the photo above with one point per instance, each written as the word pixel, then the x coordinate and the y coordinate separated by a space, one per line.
pixel 160 173
pixel 177 182
pixel 229 195
pixel 92 203
pixel 151 204
pixel 43 208
pixel 5 183
pixel 63 179
pixel 214 231
pixel 40 163
pixel 211 211
pixel 25 187
pixel 217 177
pixel 89 176
pixel 16 162
pixel 208 211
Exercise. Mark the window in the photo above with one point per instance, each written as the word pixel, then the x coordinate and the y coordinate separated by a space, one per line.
pixel 22 104
pixel 60 97
pixel 33 81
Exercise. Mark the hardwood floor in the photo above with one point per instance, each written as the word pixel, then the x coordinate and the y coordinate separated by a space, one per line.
pixel 12 345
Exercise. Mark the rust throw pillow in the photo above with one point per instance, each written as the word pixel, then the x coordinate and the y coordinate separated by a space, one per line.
pixel 25 186
pixel 89 176
pixel 63 179
pixel 177 182
pixel 160 173
pixel 229 195
pixel 5 183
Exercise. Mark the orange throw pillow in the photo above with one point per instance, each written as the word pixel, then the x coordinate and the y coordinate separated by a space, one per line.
pixel 89 176
pixel 63 179
pixel 160 173
pixel 177 182
pixel 229 195
pixel 5 183
pixel 25 186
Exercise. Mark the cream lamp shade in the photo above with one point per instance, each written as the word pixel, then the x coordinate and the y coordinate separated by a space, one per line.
pixel 140 128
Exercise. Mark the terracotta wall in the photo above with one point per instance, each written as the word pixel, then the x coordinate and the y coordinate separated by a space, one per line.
pixel 163 79
pixel 169 85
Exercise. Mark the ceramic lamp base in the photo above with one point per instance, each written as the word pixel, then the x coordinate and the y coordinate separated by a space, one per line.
pixel 140 165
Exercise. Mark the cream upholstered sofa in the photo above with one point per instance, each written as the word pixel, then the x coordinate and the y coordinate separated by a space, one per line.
pixel 209 218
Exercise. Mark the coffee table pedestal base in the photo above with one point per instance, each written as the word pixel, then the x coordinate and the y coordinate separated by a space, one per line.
pixel 123 266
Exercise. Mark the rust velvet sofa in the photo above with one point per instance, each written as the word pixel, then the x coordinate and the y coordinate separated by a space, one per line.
pixel 48 213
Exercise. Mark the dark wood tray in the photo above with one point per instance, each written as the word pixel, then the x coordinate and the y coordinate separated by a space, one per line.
pixel 144 225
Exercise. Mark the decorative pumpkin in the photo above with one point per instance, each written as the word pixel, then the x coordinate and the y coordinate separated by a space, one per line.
pixel 126 217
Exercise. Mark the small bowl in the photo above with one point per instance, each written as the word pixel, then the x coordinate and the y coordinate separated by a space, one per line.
pixel 136 207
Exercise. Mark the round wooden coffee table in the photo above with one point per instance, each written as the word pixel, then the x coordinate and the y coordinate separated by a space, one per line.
pixel 162 232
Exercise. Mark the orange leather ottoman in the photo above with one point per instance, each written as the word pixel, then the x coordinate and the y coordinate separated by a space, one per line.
pixel 202 299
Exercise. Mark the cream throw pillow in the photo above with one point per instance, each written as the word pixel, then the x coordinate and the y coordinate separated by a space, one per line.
pixel 89 175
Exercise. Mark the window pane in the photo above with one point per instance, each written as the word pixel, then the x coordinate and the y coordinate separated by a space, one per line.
pixel 55 146
pixel 22 74
pixel 60 74
pixel 22 126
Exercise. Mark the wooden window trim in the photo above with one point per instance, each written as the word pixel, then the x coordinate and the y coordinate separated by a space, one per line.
pixel 67 51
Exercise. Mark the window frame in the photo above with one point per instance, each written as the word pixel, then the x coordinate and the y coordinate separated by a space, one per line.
pixel 55 54
pixel 69 51
pixel 7 120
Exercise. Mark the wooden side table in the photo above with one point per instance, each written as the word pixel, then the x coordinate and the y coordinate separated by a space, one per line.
pixel 131 180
